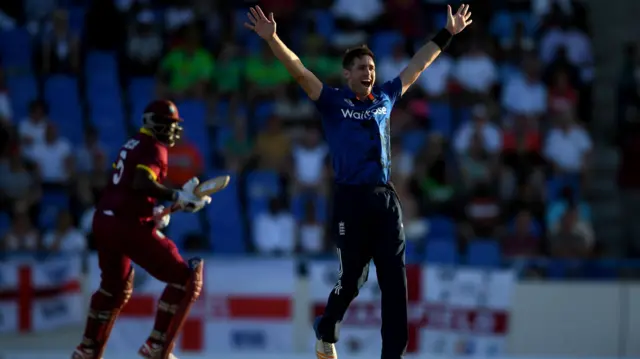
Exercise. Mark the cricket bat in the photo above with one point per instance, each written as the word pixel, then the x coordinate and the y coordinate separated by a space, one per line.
pixel 205 188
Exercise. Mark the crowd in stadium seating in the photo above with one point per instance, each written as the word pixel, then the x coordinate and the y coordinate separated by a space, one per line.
pixel 489 149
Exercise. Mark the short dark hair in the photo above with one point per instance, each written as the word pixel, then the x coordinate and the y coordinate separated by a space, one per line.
pixel 356 53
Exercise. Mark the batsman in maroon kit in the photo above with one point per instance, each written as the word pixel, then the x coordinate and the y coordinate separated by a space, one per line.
pixel 126 230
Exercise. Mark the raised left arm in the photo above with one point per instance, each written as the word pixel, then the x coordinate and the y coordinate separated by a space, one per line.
pixel 430 51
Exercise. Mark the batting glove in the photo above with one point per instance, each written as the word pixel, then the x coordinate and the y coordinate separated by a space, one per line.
pixel 163 221
pixel 188 202
pixel 191 185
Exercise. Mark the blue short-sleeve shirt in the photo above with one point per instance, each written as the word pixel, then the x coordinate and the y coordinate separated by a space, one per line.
pixel 358 132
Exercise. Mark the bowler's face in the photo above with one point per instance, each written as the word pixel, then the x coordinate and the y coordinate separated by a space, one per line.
pixel 362 75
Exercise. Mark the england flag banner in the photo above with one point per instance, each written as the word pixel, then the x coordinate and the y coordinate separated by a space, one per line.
pixel 41 295
pixel 245 306
pixel 452 311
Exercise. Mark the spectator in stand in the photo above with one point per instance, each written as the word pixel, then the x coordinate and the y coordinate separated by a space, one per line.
pixel 571 237
pixel 6 112
pixel 65 237
pixel 561 63
pixel 527 198
pixel 415 226
pixel 36 13
pixel 319 59
pixel 476 72
pixel 358 13
pixel 312 236
pixel 521 154
pixel 185 162
pixel 292 107
pixel 431 183
pixel 87 153
pixel 32 129
pixel 558 207
pixel 91 168
pixel 54 159
pixel 274 232
pixel 18 187
pixel 477 165
pixel 567 34
pixel 526 95
pixel 523 238
pixel 60 47
pixel 144 46
pixel 179 15
pixel 567 146
pixel 562 95
pixel 408 17
pixel 186 71
pixel 489 134
pixel 266 76
pixel 482 214
pixel 390 67
pixel 238 148
pixel 403 161
pixel 101 15
pixel 310 159
pixel 22 236
pixel 228 80
pixel 434 81
pixel 273 147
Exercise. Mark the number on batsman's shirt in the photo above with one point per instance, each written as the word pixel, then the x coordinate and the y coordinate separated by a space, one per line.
pixel 358 132
pixel 142 151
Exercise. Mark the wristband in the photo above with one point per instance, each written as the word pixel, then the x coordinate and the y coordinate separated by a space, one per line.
pixel 442 39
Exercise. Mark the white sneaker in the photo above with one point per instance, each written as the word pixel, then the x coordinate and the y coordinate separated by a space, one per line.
pixel 325 350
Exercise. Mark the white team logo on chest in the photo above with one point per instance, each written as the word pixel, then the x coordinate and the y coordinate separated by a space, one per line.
pixel 363 115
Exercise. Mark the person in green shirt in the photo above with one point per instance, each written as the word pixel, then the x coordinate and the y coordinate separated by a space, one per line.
pixel 319 59
pixel 186 71
pixel 265 74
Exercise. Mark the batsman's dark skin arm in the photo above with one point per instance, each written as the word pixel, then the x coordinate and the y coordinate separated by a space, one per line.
pixel 144 182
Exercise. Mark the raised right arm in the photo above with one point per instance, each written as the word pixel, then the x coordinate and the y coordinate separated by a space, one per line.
pixel 305 78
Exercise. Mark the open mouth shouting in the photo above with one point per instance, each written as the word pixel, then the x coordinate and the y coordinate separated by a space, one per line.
pixel 366 83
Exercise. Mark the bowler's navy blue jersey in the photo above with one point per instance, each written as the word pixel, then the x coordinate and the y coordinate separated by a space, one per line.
pixel 358 132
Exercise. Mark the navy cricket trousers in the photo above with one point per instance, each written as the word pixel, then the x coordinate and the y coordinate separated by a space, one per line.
pixel 367 224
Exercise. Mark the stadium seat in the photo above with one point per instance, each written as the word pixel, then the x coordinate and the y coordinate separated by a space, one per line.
pixel 76 19
pixel 69 122
pixel 441 227
pixel 15 49
pixel 440 19
pixel 263 112
pixel 325 23
pixel 61 91
pixel 5 223
pixel 261 187
pixel 183 224
pixel 441 118
pixel 382 43
pixel 141 91
pixel 484 253
pixel 52 203
pixel 441 252
pixel 101 63
pixel 110 123
pixel 224 216
pixel 23 90
pixel 502 25
pixel 193 111
pixel 413 141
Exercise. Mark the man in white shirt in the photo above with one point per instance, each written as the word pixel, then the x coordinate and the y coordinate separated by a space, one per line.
pixel 567 146
pixel 53 158
pixel 31 130
pixel 310 158
pixel 526 95
pixel 361 12
pixel 274 232
pixel 476 71
pixel 65 237
pixel 390 67
pixel 434 81
pixel 489 133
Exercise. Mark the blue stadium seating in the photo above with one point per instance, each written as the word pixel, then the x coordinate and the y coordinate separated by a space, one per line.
pixel 325 23
pixel 413 141
pixel 23 89
pixel 383 43
pixel 61 91
pixel 224 216
pixel 52 202
pixel 110 123
pixel 15 49
pixel 441 228
pixel 141 91
pixel 484 253
pixel 441 252
pixel 5 223
pixel 100 63
pixel 182 224
pixel 440 115
pixel 261 187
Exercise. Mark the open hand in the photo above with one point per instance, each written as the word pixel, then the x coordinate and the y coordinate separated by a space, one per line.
pixel 456 23
pixel 263 26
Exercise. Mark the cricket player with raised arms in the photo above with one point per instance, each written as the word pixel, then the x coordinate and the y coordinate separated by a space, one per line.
pixel 367 216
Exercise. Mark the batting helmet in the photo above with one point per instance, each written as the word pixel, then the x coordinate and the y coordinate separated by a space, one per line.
pixel 161 117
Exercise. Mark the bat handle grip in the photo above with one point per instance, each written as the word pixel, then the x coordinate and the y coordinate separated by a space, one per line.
pixel 168 210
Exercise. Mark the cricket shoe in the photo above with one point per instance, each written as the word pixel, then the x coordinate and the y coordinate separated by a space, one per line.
pixel 324 350
pixel 152 350
pixel 83 353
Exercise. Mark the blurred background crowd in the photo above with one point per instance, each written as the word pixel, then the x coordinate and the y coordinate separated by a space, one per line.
pixel 493 156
